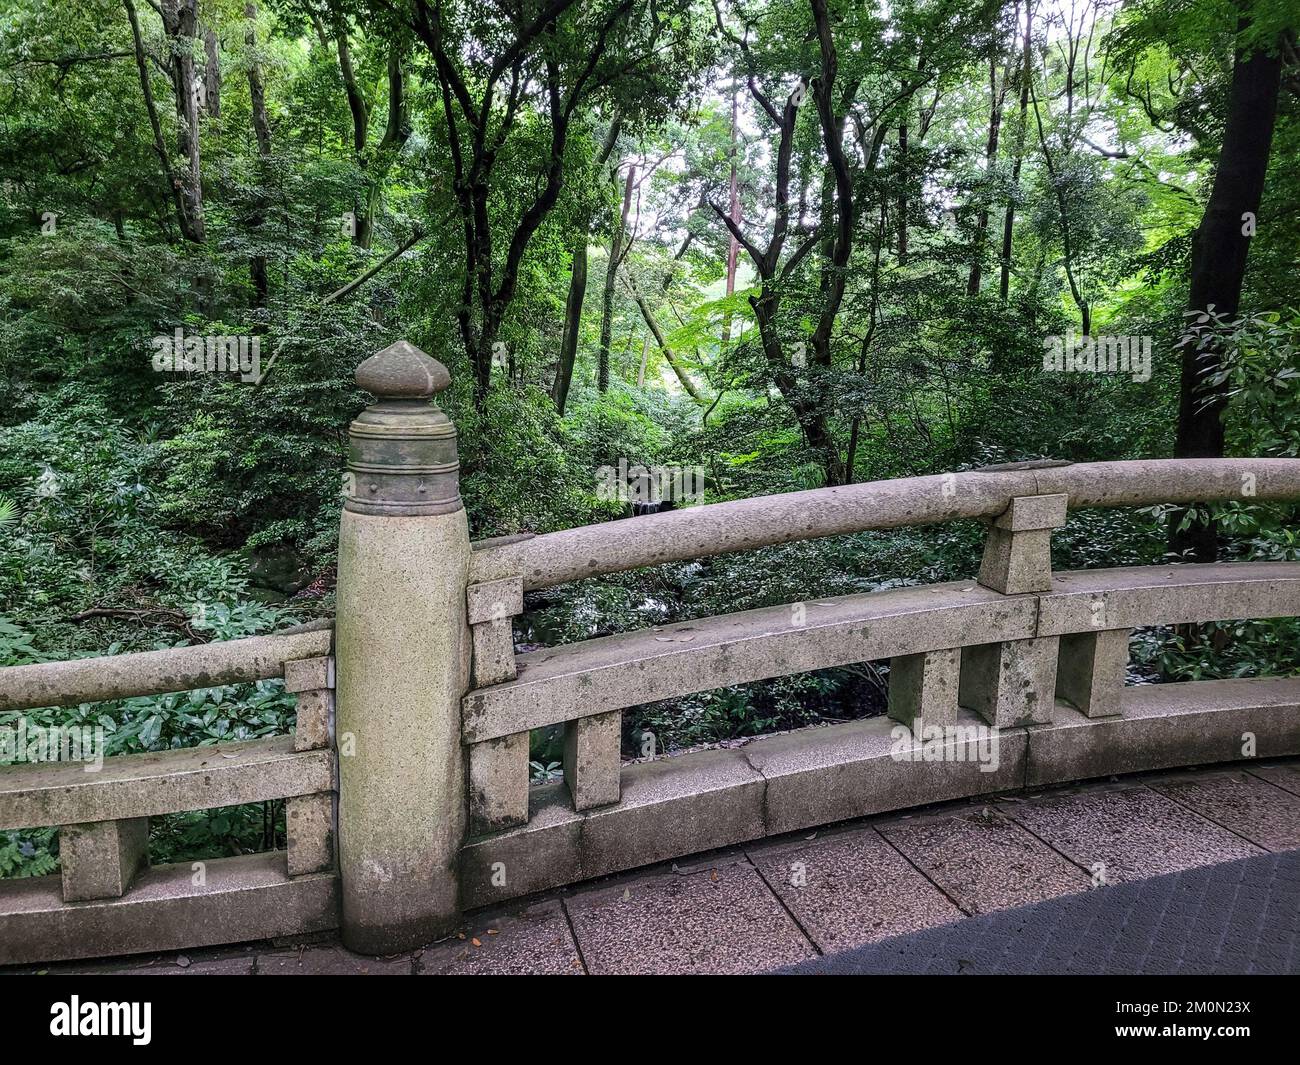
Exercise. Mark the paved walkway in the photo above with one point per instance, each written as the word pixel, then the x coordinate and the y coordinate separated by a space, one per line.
pixel 1239 917
pixel 784 901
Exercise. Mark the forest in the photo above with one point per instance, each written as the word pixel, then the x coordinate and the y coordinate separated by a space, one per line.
pixel 754 246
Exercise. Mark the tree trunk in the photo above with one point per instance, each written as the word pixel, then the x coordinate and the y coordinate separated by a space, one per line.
pixel 658 334
pixel 474 150
pixel 396 133
pixel 1219 251
pixel 572 320
pixel 174 183
pixel 611 275
pixel 808 410
pixel 181 23
pixel 1009 218
pixel 838 235
pixel 902 190
pixel 262 131
pixel 837 198
pixel 991 158
pixel 645 354
pixel 256 88
pixel 1063 208
pixel 850 462
pixel 363 204
pixel 356 100
pixel 211 72
pixel 811 421
pixel 578 288
pixel 733 246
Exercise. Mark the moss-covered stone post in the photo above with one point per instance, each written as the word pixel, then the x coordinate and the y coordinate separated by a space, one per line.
pixel 402 650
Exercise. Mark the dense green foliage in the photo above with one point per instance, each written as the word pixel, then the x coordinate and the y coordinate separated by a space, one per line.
pixel 473 156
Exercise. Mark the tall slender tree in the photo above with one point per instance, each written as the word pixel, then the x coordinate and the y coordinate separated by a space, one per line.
pixel 578 286
pixel 1220 249
pixel 559 57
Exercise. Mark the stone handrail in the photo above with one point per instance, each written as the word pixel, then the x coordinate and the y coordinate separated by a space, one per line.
pixel 963 656
pixel 175 669
pixel 573 681
pixel 163 782
pixel 746 524
pixel 670 807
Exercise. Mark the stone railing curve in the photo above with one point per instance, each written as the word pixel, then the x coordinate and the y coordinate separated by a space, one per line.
pixel 407 776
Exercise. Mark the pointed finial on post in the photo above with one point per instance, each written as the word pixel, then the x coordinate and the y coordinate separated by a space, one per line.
pixel 403 371
pixel 402 456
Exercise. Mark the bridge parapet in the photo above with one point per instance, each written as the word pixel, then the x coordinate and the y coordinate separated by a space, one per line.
pixel 1014 678
pixel 108 899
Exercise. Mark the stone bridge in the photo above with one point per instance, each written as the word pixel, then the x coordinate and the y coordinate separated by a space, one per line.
pixel 410 816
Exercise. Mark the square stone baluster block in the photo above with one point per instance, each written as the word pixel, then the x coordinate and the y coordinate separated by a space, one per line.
pixel 498 784
pixel 494 652
pixel 1090 675
pixel 924 686
pixel 1018 552
pixel 1011 683
pixel 495 600
pixel 308 674
pixel 314 728
pixel 102 858
pixel 592 764
pixel 309 826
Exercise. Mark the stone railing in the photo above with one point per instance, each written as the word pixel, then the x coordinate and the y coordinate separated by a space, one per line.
pixel 999 691
pixel 108 899
pixel 1011 679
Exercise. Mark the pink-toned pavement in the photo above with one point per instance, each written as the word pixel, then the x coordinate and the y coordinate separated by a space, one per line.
pixel 774 903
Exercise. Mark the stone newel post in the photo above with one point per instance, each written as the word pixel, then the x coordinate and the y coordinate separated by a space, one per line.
pixel 402 648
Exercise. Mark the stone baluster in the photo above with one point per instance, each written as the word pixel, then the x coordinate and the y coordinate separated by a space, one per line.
pixel 1091 672
pixel 1014 682
pixel 101 859
pixel 498 768
pixel 592 763
pixel 924 687
pixel 310 820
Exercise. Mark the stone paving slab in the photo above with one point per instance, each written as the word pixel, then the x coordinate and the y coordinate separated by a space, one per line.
pixel 205 961
pixel 1128 832
pixel 1230 918
pixel 178 965
pixel 330 959
pixel 536 940
pixel 851 888
pixel 1241 802
pixel 202 967
pixel 984 861
pixel 722 920
pixel 1285 776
